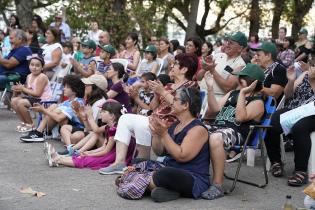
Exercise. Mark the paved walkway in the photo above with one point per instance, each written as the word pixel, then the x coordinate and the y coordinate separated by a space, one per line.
pixel 23 164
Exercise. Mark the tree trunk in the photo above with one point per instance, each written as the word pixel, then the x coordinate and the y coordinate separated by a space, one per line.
pixel 192 24
pixel 301 9
pixel 24 10
pixel 254 18
pixel 277 12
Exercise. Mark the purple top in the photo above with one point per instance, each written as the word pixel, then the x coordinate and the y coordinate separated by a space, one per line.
pixel 122 97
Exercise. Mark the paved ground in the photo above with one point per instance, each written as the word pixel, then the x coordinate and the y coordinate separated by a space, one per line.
pixel 24 164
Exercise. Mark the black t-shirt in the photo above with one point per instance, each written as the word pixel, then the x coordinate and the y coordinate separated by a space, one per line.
pixel 275 74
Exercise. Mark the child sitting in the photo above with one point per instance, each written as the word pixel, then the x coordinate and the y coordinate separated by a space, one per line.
pixel 102 156
pixel 106 53
pixel 60 114
pixel 37 88
pixel 67 49
pixel 95 95
pixel 141 93
pixel 149 64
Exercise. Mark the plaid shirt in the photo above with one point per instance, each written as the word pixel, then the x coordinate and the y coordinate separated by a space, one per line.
pixel 287 57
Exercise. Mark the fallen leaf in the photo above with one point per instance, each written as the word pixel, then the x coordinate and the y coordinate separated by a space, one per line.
pixel 40 194
pixel 27 190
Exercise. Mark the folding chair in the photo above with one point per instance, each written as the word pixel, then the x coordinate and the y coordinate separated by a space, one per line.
pixel 255 142
pixel 12 79
pixel 124 62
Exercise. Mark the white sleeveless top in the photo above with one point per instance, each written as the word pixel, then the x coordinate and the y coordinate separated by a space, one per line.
pixel 47 53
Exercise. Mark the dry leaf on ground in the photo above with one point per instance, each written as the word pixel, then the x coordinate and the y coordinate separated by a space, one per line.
pixel 28 190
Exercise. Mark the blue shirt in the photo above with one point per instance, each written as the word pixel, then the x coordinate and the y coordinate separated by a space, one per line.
pixel 198 167
pixel 19 54
pixel 65 108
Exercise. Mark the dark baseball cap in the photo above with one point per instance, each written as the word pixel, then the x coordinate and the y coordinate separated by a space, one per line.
pixel 253 71
pixel 89 43
pixel 240 38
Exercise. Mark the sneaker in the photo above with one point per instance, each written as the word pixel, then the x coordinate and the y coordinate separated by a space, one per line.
pixel 33 136
pixel 115 169
pixel 160 194
pixel 213 192
pixel 64 152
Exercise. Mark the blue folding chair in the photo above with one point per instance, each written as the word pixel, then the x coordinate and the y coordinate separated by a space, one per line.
pixel 255 142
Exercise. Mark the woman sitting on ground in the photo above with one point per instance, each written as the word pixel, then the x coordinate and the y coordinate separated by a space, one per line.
pixel 95 95
pixel 235 112
pixel 297 92
pixel 182 71
pixel 37 89
pixel 186 147
pixel 103 155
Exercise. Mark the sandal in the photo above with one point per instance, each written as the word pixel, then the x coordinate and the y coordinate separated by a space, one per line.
pixel 213 192
pixel 24 128
pixel 276 169
pixel 19 126
pixel 298 179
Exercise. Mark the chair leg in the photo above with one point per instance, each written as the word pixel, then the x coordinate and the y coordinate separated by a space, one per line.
pixel 2 98
pixel 236 179
pixel 264 164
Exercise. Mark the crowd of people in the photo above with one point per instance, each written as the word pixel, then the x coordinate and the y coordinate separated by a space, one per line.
pixel 118 104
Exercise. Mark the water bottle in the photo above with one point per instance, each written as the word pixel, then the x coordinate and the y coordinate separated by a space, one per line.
pixel 288 203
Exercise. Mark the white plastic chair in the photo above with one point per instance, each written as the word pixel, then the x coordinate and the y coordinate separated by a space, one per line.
pixel 160 62
pixel 124 62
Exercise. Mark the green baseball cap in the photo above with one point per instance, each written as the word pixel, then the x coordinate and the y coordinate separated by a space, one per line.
pixel 303 31
pixel 240 38
pixel 89 43
pixel 268 47
pixel 253 71
pixel 150 48
pixel 108 48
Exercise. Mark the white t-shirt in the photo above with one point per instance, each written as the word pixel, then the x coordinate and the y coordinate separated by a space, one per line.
pixel 47 53
pixel 66 58
pixel 96 108
pixel 222 61
pixel 94 35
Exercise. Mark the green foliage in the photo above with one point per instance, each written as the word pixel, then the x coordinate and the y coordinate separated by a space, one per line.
pixel 146 17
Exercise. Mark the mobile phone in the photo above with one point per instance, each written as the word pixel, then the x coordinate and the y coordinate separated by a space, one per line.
pixel 228 69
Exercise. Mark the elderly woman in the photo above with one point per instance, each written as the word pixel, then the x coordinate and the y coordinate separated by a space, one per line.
pixel 297 92
pixel 182 70
pixel 234 113
pixel 186 149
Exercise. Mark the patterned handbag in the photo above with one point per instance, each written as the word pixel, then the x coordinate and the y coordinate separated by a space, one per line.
pixel 134 182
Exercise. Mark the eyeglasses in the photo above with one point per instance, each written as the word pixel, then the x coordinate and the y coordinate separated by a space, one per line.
pixel 176 63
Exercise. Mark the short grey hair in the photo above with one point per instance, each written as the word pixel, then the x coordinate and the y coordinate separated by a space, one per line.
pixel 20 34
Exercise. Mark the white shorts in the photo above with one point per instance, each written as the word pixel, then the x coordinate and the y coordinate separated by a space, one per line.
pixel 133 125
